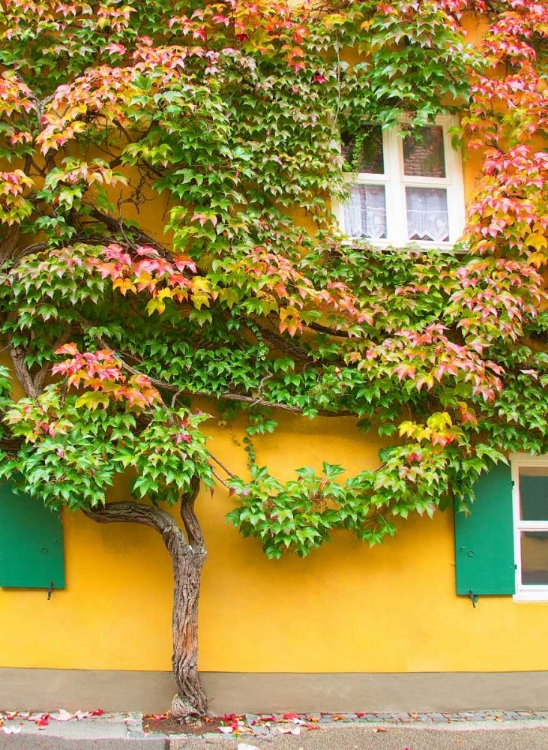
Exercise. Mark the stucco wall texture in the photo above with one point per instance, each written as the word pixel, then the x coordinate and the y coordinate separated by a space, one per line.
pixel 346 608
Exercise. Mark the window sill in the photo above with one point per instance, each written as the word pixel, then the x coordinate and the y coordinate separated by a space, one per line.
pixel 537 595
pixel 386 245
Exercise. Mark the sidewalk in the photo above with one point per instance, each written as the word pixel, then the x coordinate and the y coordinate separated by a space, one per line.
pixel 493 731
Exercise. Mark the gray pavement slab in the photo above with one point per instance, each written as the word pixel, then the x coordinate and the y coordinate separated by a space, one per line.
pixel 33 742
pixel 365 738
pixel 78 730
pixel 489 737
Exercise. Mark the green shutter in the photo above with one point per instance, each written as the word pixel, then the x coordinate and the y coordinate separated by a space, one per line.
pixel 484 540
pixel 31 543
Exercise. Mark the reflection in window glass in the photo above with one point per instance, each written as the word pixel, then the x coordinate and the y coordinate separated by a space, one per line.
pixel 423 154
pixel 366 151
pixel 533 492
pixel 427 215
pixel 534 558
pixel 365 212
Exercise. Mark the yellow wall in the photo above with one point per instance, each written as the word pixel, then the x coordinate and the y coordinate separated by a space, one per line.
pixel 346 608
pixel 392 608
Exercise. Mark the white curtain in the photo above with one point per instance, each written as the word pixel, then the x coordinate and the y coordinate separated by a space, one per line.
pixel 365 212
pixel 427 216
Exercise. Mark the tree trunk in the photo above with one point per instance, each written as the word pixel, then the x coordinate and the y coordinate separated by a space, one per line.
pixel 188 556
pixel 187 571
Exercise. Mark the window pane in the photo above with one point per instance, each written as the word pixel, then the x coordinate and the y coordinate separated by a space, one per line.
pixel 533 492
pixel 365 151
pixel 427 216
pixel 534 558
pixel 365 212
pixel 423 154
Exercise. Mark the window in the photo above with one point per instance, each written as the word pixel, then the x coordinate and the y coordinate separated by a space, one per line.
pixel 530 500
pixel 409 190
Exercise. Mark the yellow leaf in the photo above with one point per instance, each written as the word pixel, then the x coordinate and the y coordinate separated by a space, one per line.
pixel 424 434
pixel 407 428
pixel 124 285
pixel 538 241
pixel 163 293
pixel 334 19
pixel 538 259
pixel 439 420
pixel 92 399
pixel 155 305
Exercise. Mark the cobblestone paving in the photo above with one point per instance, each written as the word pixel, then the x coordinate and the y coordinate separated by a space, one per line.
pixel 262 725
pixel 129 726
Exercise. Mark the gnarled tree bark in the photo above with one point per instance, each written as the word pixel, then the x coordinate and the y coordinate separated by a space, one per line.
pixel 188 555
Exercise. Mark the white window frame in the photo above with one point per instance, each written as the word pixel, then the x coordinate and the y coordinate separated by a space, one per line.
pixel 395 183
pixel 538 593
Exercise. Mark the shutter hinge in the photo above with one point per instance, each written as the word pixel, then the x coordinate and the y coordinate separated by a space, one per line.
pixel 473 598
pixel 50 590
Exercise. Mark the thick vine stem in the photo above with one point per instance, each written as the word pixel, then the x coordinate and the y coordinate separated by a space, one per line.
pixel 129 512
pixel 188 559
pixel 192 526
pixel 23 374
pixel 9 243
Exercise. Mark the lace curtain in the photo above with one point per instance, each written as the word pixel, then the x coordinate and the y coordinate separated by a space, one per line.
pixel 427 216
pixel 365 213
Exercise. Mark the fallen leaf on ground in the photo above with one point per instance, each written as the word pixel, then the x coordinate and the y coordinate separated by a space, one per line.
pixel 380 729
pixel 243 746
pixel 62 715
pixel 289 730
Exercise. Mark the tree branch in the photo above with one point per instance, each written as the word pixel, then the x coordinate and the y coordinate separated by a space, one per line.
pixel 147 515
pixel 192 525
pixel 40 376
pixel 221 396
pixel 329 331
pixel 114 225
pixel 9 243
pixel 23 373
pixel 272 405
pixel 279 342
pixel 9 443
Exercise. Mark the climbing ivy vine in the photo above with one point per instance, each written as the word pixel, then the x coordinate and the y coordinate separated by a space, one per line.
pixel 166 237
